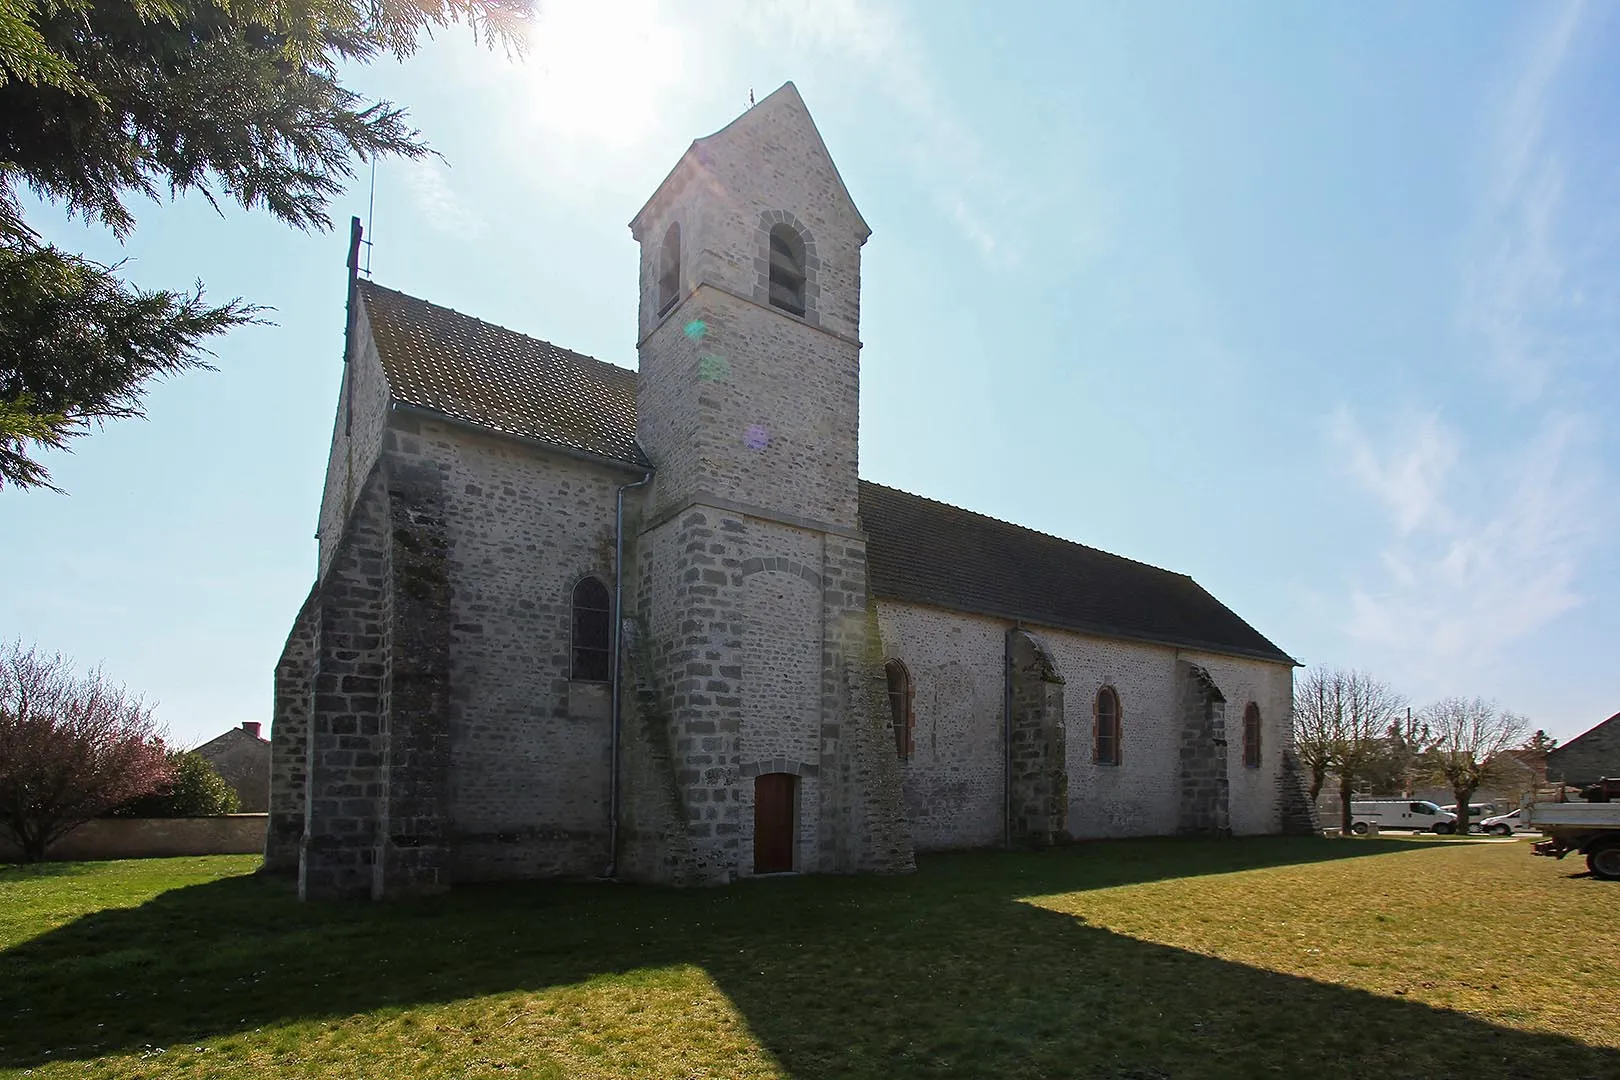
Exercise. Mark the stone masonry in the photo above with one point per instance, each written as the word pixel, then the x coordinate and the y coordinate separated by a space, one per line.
pixel 1204 807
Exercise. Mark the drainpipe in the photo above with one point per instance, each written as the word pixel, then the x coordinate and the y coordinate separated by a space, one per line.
pixel 616 711
pixel 1006 736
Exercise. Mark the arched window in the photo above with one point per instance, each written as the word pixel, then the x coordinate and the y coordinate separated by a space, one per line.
pixel 592 631
pixel 1251 736
pixel 669 269
pixel 1105 741
pixel 787 269
pixel 900 707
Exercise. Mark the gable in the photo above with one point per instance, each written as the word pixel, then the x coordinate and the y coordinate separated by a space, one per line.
pixel 782 109
pixel 918 550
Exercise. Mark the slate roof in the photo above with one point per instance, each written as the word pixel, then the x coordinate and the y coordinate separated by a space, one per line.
pixel 930 552
pixel 918 550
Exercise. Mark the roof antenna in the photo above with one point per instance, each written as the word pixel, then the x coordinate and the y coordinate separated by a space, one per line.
pixel 371 205
pixel 750 97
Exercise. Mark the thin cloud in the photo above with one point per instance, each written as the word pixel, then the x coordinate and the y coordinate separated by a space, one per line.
pixel 1475 558
pixel 428 181
pixel 1517 283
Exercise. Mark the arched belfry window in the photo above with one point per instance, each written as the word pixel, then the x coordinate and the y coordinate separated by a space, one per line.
pixel 592 631
pixel 1106 732
pixel 669 269
pixel 1251 736
pixel 900 708
pixel 787 269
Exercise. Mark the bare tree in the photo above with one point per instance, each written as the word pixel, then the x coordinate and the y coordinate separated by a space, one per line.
pixel 1345 715
pixel 1470 736
pixel 71 747
pixel 1313 728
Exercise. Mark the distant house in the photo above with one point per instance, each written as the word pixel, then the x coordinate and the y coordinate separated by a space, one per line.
pixel 1588 757
pixel 242 757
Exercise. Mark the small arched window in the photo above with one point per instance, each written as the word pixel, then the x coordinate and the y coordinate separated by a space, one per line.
pixel 900 707
pixel 592 631
pixel 1251 736
pixel 1105 740
pixel 787 269
pixel 669 269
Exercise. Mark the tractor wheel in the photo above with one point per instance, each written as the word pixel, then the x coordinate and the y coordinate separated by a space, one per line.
pixel 1604 862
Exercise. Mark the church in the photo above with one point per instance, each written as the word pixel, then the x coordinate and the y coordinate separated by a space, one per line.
pixel 575 621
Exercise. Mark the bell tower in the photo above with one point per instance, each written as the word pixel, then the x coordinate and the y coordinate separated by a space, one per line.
pixel 750 575
pixel 750 320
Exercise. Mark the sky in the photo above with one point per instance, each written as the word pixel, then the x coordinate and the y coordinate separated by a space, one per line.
pixel 1318 304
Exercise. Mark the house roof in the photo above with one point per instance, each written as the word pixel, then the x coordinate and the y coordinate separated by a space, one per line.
pixel 1594 751
pixel 918 550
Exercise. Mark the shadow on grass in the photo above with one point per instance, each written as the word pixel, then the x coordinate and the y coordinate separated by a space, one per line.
pixel 944 973
pixel 23 871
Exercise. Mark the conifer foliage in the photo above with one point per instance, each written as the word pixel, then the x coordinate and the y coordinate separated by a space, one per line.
pixel 113 101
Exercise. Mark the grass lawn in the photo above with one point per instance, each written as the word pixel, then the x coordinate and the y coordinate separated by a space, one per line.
pixel 1304 958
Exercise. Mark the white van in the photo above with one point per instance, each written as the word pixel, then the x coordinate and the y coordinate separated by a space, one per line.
pixel 1400 814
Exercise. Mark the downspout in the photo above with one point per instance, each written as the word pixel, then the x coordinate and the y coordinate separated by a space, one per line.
pixel 616 711
pixel 1006 736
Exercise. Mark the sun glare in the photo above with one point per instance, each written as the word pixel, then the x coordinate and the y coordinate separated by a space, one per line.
pixel 598 69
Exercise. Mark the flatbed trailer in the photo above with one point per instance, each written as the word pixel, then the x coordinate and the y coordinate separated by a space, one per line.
pixel 1591 828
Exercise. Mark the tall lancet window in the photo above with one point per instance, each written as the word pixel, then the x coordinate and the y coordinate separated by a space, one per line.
pixel 787 269
pixel 669 269
pixel 592 630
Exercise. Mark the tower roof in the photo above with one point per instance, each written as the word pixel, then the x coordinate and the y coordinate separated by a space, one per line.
pixel 760 118
pixel 918 550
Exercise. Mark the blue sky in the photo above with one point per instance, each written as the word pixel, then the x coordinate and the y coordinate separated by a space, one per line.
pixel 1318 304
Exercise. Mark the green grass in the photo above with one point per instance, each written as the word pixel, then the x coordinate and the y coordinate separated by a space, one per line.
pixel 1306 958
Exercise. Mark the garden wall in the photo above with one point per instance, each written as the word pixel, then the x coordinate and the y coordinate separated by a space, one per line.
pixel 150 838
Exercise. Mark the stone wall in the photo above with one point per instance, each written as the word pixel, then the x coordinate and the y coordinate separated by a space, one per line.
pixel 757 633
pixel 344 750
pixel 357 430
pixel 954 779
pixel 1202 808
pixel 289 742
pixel 153 838
pixel 1039 785
pixel 529 745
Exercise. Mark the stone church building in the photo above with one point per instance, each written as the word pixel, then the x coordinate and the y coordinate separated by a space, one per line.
pixel 571 620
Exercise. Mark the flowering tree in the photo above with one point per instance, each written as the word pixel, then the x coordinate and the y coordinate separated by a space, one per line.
pixel 71 747
pixel 1470 735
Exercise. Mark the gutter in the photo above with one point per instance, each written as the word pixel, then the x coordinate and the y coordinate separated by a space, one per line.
pixel 617 677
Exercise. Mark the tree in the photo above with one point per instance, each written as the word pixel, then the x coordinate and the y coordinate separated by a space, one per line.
pixel 71 747
pixel 233 99
pixel 1470 736
pixel 1344 714
pixel 1540 742
pixel 194 789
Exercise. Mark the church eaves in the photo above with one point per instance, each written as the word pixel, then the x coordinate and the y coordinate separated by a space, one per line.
pixel 918 550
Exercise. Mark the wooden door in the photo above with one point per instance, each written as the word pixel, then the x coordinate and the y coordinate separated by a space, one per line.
pixel 773 823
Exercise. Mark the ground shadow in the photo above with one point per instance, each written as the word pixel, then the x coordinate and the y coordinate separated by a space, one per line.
pixel 946 973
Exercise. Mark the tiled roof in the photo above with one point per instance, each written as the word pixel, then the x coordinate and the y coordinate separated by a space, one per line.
pixel 496 378
pixel 918 550
pixel 928 552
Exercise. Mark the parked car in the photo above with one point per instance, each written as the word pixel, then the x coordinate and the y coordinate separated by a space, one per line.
pixel 1477 813
pixel 1506 824
pixel 1400 814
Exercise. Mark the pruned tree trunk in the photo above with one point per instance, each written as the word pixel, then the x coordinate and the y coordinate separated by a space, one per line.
pixel 1344 802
